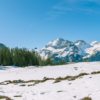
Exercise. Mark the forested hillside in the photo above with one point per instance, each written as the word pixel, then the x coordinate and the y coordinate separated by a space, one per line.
pixel 20 57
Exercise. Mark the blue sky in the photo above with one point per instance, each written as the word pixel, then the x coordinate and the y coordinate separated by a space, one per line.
pixel 33 23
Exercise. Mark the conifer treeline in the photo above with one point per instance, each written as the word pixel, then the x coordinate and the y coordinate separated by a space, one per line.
pixel 21 57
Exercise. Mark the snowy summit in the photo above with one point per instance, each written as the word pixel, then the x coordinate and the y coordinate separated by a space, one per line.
pixel 60 49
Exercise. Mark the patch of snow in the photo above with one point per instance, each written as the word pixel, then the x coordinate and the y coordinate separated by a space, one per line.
pixel 88 85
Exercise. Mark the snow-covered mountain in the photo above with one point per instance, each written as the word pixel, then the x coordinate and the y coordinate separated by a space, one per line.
pixel 82 46
pixel 61 50
pixel 93 53
pixel 95 47
pixel 64 50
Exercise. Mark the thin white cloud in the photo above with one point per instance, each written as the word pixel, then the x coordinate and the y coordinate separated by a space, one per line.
pixel 75 1
pixel 66 6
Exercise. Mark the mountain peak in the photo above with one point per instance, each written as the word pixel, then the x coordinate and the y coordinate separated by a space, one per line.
pixel 55 41
pixel 82 44
pixel 59 43
pixel 59 39
pixel 94 43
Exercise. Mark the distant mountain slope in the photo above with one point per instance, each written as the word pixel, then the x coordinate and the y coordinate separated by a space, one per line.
pixel 2 45
pixel 68 51
pixel 93 53
pixel 82 46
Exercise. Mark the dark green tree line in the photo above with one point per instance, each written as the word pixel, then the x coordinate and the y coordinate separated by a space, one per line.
pixel 21 57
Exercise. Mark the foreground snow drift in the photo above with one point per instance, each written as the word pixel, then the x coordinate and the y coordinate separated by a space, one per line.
pixel 73 82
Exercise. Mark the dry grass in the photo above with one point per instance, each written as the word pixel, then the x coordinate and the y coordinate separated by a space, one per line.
pixel 56 80
pixel 96 72
pixel 86 98
pixel 5 98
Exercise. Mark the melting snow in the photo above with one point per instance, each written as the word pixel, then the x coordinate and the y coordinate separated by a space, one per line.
pixel 88 85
